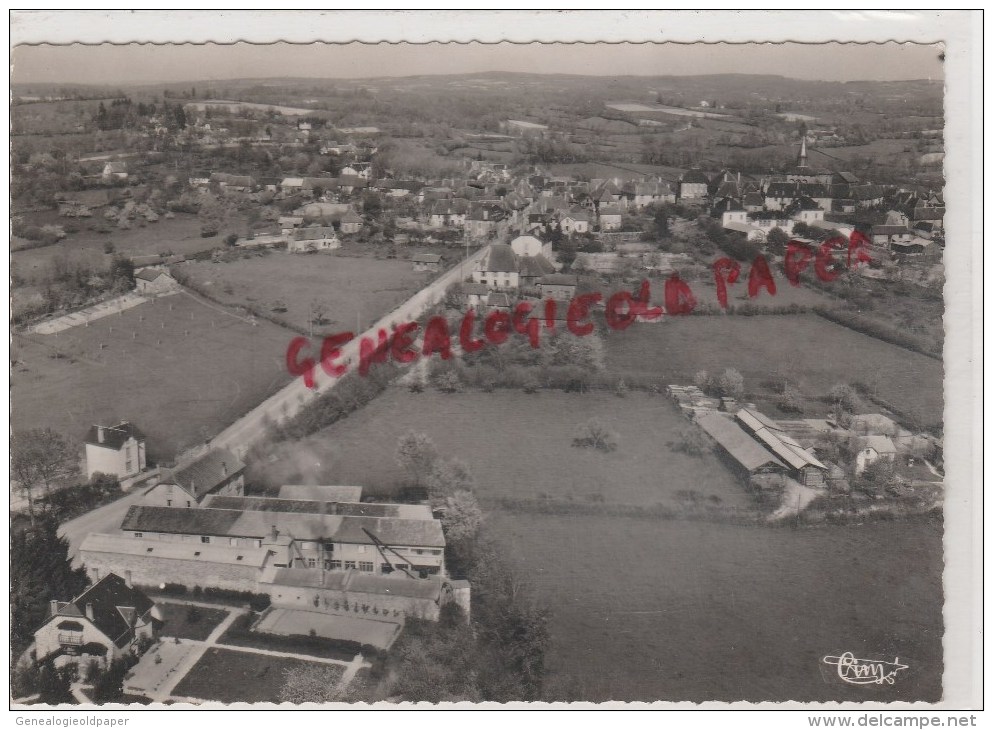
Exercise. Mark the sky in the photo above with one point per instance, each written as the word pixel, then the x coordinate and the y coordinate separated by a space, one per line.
pixel 146 64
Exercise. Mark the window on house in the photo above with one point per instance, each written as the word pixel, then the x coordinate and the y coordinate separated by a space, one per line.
pixel 240 557
pixel 335 564
pixel 362 548
pixel 233 541
pixel 187 503
pixel 196 554
pixel 205 539
pixel 311 562
pixel 366 566
pixel 349 565
pixel 419 552
pixel 168 503
pixel 139 534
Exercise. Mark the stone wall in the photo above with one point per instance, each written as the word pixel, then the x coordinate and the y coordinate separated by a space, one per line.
pixel 152 571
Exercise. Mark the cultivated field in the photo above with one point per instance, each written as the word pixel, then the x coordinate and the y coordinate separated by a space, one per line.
pixel 354 291
pixel 518 446
pixel 809 351
pixel 178 388
pixel 236 676
pixel 670 610
pixel 189 622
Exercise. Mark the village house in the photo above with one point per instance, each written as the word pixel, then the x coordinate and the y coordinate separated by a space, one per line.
pixel 107 621
pixel 805 210
pixel 448 214
pixel 638 195
pixel 531 269
pixel 288 223
pixel 531 246
pixel 115 450
pixel 561 287
pixel 115 170
pixel 351 222
pixel 498 269
pixel 474 294
pixel 575 220
pixel 314 238
pixel 216 472
pixel 153 281
pixel 729 210
pixel 610 218
pixel 484 220
pixel 693 185
pixel 886 235
pixel 876 447
pixel 291 185
pixel 780 195
pixel 426 262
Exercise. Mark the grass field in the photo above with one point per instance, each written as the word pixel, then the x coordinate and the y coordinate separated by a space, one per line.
pixel 178 623
pixel 518 446
pixel 178 388
pixel 669 610
pixel 236 676
pixel 355 291
pixel 179 235
pixel 810 351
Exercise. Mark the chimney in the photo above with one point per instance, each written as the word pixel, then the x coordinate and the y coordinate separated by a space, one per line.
pixel 89 611
pixel 53 607
pixel 275 532
pixel 127 579
pixel 100 435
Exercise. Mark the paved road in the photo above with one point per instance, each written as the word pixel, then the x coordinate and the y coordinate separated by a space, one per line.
pixel 240 435
pixel 102 519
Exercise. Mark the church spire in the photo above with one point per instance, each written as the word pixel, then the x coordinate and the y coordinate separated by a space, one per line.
pixel 802 159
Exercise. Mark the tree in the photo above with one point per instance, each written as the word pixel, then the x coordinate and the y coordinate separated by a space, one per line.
pixel 791 400
pixel 731 384
pixel 845 396
pixel 462 516
pixel 776 240
pixel 661 223
pixel 801 229
pixel 596 435
pixel 449 476
pixel 40 571
pixel 40 456
pixel 449 382
pixel 701 379
pixel 416 454
pixel 53 684
pixel 122 273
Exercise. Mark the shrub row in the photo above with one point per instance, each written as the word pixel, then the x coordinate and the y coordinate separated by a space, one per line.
pixel 257 601
pixel 877 330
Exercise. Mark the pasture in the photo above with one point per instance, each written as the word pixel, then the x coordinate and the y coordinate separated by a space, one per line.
pixel 518 446
pixel 695 611
pixel 180 235
pixel 353 291
pixel 178 368
pixel 236 676
pixel 807 350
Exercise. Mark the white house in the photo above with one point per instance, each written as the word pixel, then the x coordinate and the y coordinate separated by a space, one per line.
pixel 876 447
pixel 575 221
pixel 115 450
pixel 530 246
pixel 115 171
pixel 107 621
pixel 498 268
pixel 315 238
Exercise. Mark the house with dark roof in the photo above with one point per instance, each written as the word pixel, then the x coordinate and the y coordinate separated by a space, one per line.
pixel 498 269
pixel 426 262
pixel 887 235
pixel 729 210
pixel 805 210
pixel 107 621
pixel 780 195
pixel 693 185
pixel 218 471
pixel 115 450
pixel 804 466
pixel 558 286
pixel 153 280
pixel 313 238
pixel 532 268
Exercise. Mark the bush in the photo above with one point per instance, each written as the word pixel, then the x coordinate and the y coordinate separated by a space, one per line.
pixel 595 434
pixel 174 589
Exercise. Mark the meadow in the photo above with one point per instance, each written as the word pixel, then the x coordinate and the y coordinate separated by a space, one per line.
pixel 178 368
pixel 354 291
pixel 809 351
pixel 519 446
pixel 694 611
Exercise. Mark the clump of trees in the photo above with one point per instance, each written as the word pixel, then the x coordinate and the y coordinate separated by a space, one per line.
pixel 41 458
pixel 728 384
